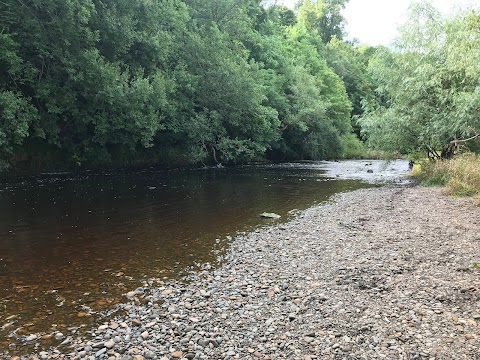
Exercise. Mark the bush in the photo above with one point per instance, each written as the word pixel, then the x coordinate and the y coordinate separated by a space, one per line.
pixel 352 147
pixel 460 176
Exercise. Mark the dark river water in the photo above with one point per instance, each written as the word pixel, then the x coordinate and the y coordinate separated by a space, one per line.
pixel 68 241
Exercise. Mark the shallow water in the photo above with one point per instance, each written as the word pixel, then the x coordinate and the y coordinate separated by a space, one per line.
pixel 74 242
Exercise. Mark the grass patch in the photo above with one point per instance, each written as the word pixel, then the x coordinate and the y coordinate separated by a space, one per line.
pixel 459 176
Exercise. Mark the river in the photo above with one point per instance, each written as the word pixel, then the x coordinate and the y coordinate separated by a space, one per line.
pixel 74 242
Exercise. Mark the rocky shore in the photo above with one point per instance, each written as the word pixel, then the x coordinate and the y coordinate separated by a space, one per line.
pixel 380 273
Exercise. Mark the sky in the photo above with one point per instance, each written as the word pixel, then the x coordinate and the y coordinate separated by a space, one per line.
pixel 375 22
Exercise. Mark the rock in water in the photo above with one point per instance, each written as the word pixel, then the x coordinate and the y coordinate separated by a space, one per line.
pixel 270 215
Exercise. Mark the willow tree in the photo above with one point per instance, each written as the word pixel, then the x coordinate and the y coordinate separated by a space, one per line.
pixel 430 85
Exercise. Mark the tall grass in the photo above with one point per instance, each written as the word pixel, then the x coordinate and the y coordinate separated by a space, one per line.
pixel 459 176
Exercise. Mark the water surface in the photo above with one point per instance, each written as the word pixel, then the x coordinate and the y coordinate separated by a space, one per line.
pixel 68 242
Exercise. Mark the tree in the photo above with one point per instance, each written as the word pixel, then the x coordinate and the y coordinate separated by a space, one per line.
pixel 282 15
pixel 117 82
pixel 227 119
pixel 323 17
pixel 351 65
pixel 101 88
pixel 431 85
pixel 318 109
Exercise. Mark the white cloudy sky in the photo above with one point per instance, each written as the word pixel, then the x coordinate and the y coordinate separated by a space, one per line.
pixel 375 22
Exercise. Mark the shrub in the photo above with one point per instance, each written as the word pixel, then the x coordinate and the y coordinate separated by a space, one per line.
pixel 460 176
pixel 352 147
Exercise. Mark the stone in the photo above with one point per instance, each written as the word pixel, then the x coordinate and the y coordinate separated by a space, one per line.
pixel 149 354
pixel 109 344
pixel 267 215
pixel 66 342
pixel 32 337
pixel 203 342
pixel 150 324
pixel 205 293
pixel 308 339
pixel 131 295
pixel 176 354
pixel 100 352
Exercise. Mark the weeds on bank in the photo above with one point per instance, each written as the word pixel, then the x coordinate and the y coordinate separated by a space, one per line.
pixel 460 176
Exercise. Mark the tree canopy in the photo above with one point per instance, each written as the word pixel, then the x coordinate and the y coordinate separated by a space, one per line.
pixel 430 85
pixel 99 82
pixel 87 83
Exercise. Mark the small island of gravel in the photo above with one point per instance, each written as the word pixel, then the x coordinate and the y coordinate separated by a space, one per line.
pixel 380 273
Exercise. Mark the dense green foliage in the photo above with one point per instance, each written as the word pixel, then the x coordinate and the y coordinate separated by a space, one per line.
pixel 429 86
pixel 120 82
pixel 170 82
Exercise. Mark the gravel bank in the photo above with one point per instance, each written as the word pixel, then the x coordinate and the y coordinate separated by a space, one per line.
pixel 383 273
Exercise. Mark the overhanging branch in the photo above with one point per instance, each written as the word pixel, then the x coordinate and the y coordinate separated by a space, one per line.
pixel 462 141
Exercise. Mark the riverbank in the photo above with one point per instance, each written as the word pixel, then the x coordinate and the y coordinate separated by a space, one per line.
pixel 374 273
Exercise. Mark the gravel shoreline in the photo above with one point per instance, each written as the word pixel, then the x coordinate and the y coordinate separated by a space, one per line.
pixel 380 273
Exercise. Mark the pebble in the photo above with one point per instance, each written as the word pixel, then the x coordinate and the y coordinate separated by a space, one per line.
pixel 100 352
pixel 149 354
pixel 32 337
